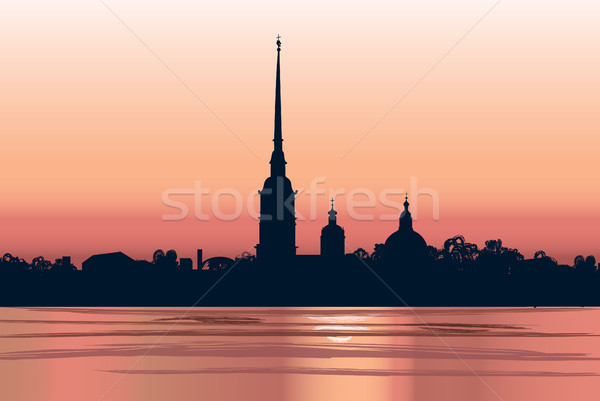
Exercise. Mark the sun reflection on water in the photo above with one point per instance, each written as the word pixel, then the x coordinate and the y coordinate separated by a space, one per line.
pixel 341 323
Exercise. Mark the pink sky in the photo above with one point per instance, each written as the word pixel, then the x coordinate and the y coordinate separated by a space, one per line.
pixel 95 128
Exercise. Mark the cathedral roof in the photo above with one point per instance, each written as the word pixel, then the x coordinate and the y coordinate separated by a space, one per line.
pixel 332 226
pixel 405 242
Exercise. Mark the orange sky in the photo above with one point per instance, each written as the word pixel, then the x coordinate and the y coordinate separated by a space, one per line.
pixel 94 127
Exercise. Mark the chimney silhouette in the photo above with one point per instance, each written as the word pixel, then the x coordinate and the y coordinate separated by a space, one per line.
pixel 199 259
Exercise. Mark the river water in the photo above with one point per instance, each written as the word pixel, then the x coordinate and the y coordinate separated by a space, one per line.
pixel 299 354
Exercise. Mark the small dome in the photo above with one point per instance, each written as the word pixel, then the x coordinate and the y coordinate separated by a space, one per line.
pixel 332 229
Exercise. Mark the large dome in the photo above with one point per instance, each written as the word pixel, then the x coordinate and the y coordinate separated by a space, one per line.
pixel 404 244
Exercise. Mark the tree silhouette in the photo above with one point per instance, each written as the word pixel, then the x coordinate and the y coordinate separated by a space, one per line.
pixel 496 259
pixel 585 267
pixel 377 255
pixel 246 256
pixel 362 254
pixel 40 264
pixel 13 264
pixel 158 256
pixel 165 262
pixel 457 253
pixel 60 266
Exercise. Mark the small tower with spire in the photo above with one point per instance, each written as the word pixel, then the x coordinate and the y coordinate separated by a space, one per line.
pixel 406 217
pixel 332 237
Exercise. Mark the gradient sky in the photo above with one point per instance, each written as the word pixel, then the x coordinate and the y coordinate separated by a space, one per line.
pixel 95 127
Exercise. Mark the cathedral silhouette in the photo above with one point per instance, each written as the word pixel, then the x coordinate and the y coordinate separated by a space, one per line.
pixel 277 221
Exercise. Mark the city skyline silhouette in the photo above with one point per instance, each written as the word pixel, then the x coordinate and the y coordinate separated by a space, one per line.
pixel 106 132
pixel 276 275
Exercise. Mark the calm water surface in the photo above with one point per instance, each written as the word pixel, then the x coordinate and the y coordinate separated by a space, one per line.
pixel 299 354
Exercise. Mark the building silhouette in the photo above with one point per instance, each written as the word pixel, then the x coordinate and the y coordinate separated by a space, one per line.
pixel 105 263
pixel 332 237
pixel 277 220
pixel 405 246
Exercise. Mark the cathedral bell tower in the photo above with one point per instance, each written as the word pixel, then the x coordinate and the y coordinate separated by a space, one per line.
pixel 332 237
pixel 277 221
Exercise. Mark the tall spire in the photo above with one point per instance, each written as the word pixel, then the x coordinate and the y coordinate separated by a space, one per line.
pixel 278 136
pixel 277 158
